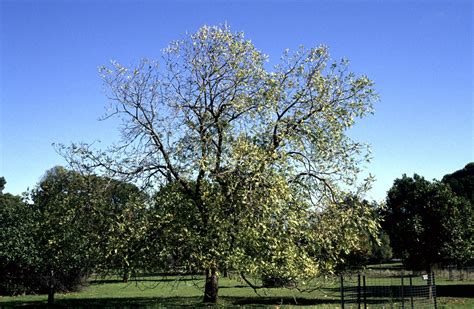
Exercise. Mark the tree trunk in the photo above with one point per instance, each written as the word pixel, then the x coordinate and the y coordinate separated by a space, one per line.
pixel 430 282
pixel 51 288
pixel 211 288
pixel 126 276
pixel 50 296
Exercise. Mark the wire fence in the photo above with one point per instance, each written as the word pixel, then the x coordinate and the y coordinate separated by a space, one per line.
pixel 395 291
pixel 455 273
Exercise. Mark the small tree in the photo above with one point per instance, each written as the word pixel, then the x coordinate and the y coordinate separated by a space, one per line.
pixel 256 154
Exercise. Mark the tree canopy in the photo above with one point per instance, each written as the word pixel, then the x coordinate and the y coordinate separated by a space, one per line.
pixel 462 182
pixel 258 156
pixel 428 224
pixel 17 246
pixel 71 225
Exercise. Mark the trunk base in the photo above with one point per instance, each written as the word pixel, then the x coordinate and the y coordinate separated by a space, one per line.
pixel 50 297
pixel 211 289
pixel 125 277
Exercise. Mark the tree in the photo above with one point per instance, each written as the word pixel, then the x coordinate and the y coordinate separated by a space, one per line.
pixel 427 223
pixel 65 202
pixel 17 246
pixel 77 224
pixel 462 182
pixel 254 153
pixel 123 227
pixel 382 251
pixel 373 248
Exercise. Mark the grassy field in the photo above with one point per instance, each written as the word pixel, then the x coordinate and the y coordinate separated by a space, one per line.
pixel 186 291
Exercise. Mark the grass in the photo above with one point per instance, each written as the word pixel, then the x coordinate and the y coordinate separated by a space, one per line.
pixel 186 291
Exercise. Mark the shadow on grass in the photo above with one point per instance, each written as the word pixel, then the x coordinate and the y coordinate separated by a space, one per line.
pixel 161 279
pixel 169 302
pixel 273 301
pixel 460 290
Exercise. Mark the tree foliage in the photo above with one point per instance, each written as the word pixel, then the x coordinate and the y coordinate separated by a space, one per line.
pixel 462 182
pixel 65 203
pixel 74 224
pixel 372 248
pixel 123 227
pixel 428 224
pixel 257 156
pixel 17 246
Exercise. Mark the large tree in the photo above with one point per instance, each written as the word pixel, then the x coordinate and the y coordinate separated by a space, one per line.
pixel 428 224
pixel 258 155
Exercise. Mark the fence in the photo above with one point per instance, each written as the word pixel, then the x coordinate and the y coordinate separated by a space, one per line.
pixel 455 273
pixel 395 291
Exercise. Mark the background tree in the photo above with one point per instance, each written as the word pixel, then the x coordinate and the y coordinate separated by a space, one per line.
pixel 65 202
pixel 381 252
pixel 76 224
pixel 427 223
pixel 254 152
pixel 123 227
pixel 373 248
pixel 18 252
pixel 462 182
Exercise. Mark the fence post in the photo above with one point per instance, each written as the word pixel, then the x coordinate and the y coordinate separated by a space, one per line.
pixel 365 292
pixel 411 292
pixel 403 296
pixel 433 283
pixel 342 292
pixel 358 290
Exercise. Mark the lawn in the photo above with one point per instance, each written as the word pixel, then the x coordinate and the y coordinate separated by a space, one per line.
pixel 186 291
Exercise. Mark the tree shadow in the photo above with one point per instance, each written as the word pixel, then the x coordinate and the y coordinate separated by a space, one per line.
pixel 169 302
pixel 458 290
pixel 164 279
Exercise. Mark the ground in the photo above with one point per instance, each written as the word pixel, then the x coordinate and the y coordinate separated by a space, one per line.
pixel 186 291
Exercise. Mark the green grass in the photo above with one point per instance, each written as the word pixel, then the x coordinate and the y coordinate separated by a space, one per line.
pixel 186 291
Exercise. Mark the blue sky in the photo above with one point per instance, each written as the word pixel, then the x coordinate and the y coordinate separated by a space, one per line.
pixel 419 53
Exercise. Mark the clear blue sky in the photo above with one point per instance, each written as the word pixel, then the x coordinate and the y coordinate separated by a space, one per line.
pixel 419 53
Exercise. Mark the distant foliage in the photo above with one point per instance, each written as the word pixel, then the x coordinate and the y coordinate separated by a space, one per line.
pixel 75 224
pixel 18 249
pixel 462 182
pixel 372 248
pixel 428 223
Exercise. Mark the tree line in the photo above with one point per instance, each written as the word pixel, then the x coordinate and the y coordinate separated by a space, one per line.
pixel 73 225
